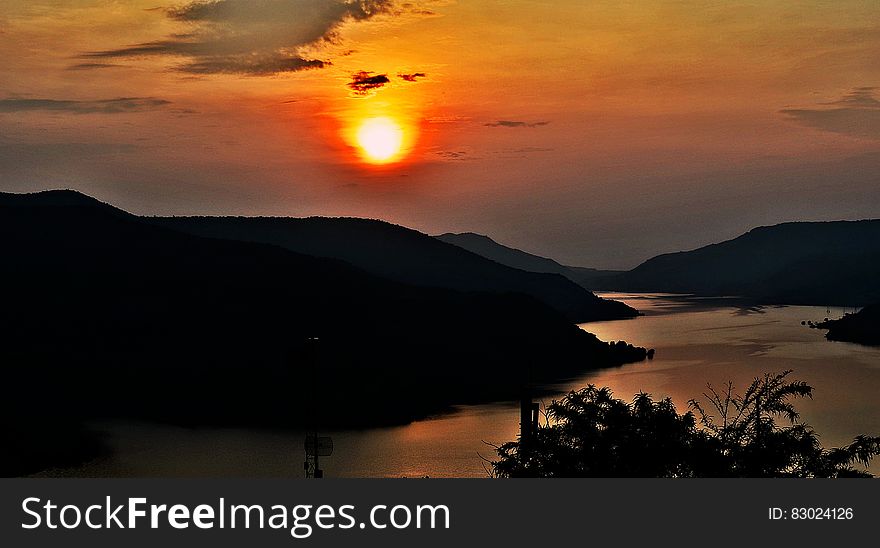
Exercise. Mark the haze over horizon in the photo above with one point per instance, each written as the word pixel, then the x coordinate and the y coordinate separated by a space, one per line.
pixel 595 134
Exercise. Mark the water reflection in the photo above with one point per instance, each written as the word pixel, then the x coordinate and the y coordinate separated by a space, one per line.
pixel 698 341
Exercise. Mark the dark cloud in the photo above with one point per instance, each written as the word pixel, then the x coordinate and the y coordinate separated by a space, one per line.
pixel 254 66
pixel 857 114
pixel 104 106
pixel 513 123
pixel 412 77
pixel 363 82
pixel 90 66
pixel 253 38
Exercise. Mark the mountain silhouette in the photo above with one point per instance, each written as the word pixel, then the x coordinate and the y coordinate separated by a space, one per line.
pixel 108 315
pixel 835 262
pixel 407 256
pixel 515 258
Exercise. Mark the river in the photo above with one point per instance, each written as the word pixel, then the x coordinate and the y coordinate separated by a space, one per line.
pixel 696 341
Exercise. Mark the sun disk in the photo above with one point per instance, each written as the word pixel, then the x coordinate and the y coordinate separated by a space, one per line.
pixel 381 139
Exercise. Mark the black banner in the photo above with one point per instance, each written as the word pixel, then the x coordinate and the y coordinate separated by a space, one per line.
pixel 584 512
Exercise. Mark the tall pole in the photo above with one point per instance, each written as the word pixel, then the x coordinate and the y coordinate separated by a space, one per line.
pixel 316 343
pixel 312 464
pixel 528 413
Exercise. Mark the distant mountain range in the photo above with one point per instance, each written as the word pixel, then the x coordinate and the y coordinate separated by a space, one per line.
pixel 108 314
pixel 408 256
pixel 489 248
pixel 515 258
pixel 795 263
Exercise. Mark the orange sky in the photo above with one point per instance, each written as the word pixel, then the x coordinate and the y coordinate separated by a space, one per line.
pixel 597 133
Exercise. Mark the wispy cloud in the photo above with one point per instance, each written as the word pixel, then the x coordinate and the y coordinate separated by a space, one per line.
pixel 515 123
pixel 522 151
pixel 862 97
pixel 418 10
pixel 104 106
pixel 89 66
pixel 448 120
pixel 412 77
pixel 857 113
pixel 49 152
pixel 452 154
pixel 252 37
pixel 362 83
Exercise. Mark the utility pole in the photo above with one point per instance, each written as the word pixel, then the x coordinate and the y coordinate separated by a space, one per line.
pixel 315 446
pixel 311 463
pixel 528 413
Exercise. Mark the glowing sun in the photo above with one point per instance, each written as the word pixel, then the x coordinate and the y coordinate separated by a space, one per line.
pixel 381 139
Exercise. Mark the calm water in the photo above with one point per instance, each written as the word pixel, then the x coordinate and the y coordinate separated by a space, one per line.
pixel 696 342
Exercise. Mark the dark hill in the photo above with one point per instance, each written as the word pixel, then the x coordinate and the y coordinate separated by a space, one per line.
pixel 105 315
pixel 797 263
pixel 57 198
pixel 586 277
pixel 515 258
pixel 489 248
pixel 407 256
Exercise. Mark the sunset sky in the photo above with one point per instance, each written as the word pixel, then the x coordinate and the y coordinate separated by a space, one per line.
pixel 597 133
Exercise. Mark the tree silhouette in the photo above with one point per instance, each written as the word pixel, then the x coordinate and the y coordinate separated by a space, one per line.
pixel 589 433
pixel 750 443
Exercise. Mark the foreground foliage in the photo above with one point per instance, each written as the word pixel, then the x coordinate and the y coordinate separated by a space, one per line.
pixel 589 433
